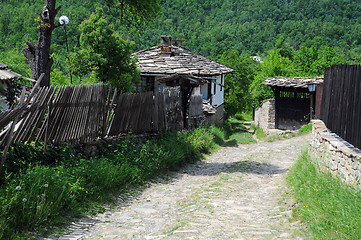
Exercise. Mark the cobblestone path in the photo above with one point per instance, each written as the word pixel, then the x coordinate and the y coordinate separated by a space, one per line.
pixel 235 193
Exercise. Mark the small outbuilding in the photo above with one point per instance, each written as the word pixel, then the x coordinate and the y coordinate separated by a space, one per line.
pixel 292 105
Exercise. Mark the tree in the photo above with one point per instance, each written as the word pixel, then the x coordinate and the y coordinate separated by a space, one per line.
pixel 104 54
pixel 38 55
pixel 236 95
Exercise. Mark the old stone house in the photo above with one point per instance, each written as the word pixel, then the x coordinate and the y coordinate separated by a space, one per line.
pixel 170 58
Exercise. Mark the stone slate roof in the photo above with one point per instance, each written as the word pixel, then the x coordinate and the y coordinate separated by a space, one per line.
pixel 291 82
pixel 180 60
pixel 6 73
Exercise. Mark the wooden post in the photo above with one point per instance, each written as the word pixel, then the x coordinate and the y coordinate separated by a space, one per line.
pixel 311 106
pixel 277 98
pixel 47 129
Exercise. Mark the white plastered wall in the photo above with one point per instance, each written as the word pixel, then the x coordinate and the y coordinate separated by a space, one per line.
pixel 218 97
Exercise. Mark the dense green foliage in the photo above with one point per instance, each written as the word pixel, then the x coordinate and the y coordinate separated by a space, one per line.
pixel 136 13
pixel 211 27
pixel 330 209
pixel 104 54
pixel 237 98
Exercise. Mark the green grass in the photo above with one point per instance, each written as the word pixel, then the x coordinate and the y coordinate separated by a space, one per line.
pixel 231 133
pixel 241 138
pixel 305 129
pixel 331 209
pixel 260 133
pixel 244 116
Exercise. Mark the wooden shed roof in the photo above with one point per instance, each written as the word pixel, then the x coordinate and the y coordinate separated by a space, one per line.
pixel 178 60
pixel 6 73
pixel 291 82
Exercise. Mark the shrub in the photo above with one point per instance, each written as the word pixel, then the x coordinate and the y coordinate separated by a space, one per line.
pixel 20 155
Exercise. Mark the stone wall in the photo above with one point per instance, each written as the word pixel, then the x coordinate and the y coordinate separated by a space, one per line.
pixel 335 155
pixel 265 116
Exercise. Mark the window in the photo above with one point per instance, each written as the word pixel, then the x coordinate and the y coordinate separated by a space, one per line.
pixel 287 94
pixel 146 84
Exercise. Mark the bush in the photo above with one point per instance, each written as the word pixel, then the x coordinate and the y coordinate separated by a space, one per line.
pixel 20 155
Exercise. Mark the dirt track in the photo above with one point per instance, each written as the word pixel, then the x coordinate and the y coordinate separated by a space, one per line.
pixel 235 193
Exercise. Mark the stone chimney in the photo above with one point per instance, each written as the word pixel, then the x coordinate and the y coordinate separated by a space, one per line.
pixel 165 45
pixel 165 40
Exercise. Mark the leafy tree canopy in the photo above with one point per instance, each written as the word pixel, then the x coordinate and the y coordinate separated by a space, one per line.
pixel 104 54
pixel 136 12
pixel 236 97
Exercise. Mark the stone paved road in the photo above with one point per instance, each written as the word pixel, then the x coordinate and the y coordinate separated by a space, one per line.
pixel 235 193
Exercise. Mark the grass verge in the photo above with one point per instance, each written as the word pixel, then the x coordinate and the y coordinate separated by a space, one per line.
pixel 40 191
pixel 305 129
pixel 231 133
pixel 44 190
pixel 330 208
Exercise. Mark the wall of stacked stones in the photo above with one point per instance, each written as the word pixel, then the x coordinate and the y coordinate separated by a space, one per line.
pixel 336 156
pixel 264 116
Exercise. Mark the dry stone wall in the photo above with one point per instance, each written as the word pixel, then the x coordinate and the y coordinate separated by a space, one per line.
pixel 335 155
pixel 264 116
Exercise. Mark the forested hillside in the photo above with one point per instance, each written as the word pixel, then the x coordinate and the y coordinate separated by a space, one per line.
pixel 209 27
pixel 295 38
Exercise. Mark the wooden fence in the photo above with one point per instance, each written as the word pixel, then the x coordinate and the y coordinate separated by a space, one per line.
pixel 138 112
pixel 341 103
pixel 71 113
pixel 84 113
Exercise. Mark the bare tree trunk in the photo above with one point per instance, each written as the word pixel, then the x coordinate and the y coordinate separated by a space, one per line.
pixel 38 55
